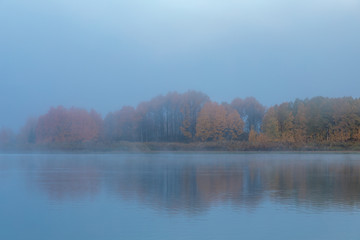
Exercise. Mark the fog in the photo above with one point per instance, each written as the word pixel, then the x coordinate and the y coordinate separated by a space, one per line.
pixel 106 54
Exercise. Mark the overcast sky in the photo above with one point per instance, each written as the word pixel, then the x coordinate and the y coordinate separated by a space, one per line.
pixel 104 54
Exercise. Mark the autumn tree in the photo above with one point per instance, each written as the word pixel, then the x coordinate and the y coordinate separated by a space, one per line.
pixel 193 102
pixel 319 119
pixel 192 116
pixel 61 125
pixel 252 136
pixel 300 122
pixel 234 125
pixel 216 123
pixel 205 127
pixel 356 127
pixel 346 120
pixel 270 124
pixel 316 120
pixel 286 122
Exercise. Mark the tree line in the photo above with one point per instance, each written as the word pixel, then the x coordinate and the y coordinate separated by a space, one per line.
pixel 193 117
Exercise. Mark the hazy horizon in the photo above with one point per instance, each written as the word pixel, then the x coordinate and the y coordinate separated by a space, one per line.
pixel 107 54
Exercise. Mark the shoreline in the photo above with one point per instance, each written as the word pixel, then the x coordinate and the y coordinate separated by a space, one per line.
pixel 174 147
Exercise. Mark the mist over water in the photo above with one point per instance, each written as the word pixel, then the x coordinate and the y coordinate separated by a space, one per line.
pixel 179 75
pixel 135 196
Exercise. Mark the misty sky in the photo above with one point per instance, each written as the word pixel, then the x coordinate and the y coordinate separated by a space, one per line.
pixel 104 54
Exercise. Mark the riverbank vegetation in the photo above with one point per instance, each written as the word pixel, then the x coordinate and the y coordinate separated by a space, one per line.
pixel 191 121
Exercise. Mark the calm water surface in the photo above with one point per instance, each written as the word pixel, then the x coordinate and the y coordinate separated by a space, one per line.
pixel 180 196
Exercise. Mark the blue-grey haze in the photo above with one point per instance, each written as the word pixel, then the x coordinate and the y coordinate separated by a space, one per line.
pixel 106 54
pixel 179 196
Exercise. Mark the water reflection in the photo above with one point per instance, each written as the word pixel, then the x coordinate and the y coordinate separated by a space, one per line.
pixel 195 183
pixel 64 182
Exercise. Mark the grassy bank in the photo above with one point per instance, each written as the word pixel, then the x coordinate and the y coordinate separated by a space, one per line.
pixel 225 146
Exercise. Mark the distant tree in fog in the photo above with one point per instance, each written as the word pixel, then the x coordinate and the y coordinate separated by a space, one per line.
pixel 191 116
pixel 68 125
pixel 121 125
pixel 169 118
pixel 192 105
pixel 27 133
pixel 315 120
pixel 251 111
pixel 7 138
pixel 217 123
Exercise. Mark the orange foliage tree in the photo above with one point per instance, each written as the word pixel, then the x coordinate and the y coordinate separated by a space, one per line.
pixel 193 102
pixel 68 125
pixel 217 123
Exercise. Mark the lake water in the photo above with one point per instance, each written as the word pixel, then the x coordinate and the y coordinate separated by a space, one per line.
pixel 180 196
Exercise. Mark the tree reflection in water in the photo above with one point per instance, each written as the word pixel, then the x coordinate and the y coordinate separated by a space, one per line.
pixel 194 183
